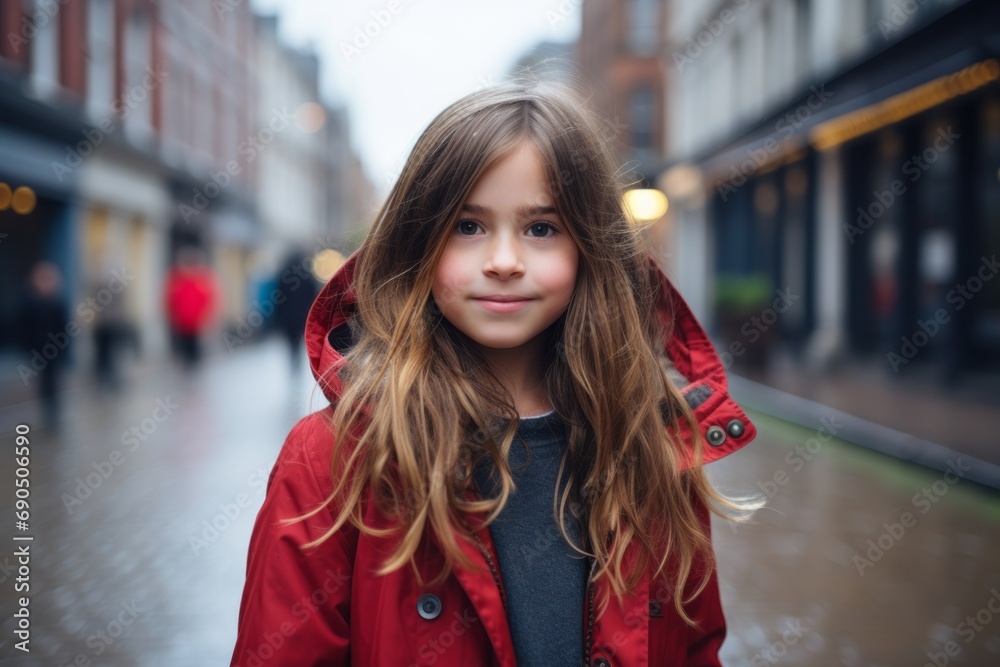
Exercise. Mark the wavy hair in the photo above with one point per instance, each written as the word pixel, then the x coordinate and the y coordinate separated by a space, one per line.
pixel 436 409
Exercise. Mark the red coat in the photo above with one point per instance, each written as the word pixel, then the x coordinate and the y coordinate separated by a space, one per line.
pixel 190 298
pixel 327 607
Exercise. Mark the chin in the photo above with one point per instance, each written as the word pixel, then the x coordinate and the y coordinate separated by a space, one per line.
pixel 504 343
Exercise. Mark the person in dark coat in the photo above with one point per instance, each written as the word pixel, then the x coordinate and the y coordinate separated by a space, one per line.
pixel 42 332
pixel 295 291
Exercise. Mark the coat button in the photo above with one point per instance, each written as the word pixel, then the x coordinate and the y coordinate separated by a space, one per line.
pixel 735 428
pixel 716 436
pixel 602 662
pixel 429 606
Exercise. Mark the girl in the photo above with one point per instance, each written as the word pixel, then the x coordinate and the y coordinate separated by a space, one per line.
pixel 510 470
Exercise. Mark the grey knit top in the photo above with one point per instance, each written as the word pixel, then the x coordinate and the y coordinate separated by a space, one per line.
pixel 545 580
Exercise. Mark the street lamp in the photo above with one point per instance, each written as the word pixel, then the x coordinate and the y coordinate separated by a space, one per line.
pixel 325 263
pixel 645 205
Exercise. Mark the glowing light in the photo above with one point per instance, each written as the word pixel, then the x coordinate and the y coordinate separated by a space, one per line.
pixel 765 199
pixel 646 205
pixel 796 182
pixel 896 108
pixel 5 196
pixel 23 201
pixel 325 263
pixel 310 117
pixel 683 181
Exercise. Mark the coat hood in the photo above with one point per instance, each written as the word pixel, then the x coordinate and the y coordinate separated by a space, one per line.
pixel 697 369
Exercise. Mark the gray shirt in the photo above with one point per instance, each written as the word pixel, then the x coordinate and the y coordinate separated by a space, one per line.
pixel 545 580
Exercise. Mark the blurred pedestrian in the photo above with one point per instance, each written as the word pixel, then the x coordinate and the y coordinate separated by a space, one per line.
pixel 297 289
pixel 112 331
pixel 191 297
pixel 262 283
pixel 42 323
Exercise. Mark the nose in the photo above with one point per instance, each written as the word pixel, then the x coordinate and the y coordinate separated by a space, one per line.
pixel 504 258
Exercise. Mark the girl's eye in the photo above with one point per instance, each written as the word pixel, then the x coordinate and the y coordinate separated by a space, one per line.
pixel 467 225
pixel 543 225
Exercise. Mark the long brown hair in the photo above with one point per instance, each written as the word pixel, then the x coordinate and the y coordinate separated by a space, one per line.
pixel 436 409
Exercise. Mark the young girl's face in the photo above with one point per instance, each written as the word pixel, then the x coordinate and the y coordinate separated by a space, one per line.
pixel 507 242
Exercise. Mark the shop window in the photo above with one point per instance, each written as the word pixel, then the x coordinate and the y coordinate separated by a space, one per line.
pixel 642 117
pixel 44 49
pixel 100 57
pixel 644 26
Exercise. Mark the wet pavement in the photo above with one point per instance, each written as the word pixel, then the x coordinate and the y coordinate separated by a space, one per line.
pixel 963 416
pixel 858 559
pixel 138 556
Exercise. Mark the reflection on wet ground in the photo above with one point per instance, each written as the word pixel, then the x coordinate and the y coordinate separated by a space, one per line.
pixel 858 559
pixel 139 556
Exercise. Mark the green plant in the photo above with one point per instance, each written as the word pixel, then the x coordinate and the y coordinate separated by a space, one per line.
pixel 742 292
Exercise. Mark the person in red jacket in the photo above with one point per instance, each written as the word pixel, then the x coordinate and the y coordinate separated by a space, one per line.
pixel 501 305
pixel 190 302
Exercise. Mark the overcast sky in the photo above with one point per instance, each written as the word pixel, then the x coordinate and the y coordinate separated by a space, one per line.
pixel 426 55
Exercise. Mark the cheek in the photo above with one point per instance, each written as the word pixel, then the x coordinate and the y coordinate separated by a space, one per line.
pixel 560 274
pixel 449 278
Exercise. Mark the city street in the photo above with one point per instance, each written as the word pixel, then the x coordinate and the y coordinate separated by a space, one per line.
pixel 142 510
pixel 817 180
pixel 158 542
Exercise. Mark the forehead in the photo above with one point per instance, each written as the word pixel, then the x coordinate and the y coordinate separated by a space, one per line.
pixel 518 178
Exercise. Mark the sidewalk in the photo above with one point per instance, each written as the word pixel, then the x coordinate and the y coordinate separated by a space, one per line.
pixel 914 418
pixel 20 399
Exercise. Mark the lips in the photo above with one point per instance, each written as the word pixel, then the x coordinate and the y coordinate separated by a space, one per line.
pixel 503 303
pixel 503 298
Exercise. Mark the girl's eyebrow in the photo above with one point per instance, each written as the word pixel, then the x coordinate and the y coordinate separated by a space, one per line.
pixel 523 211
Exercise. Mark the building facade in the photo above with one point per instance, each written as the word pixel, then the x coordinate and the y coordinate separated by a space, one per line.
pixel 304 179
pixel 132 128
pixel 846 152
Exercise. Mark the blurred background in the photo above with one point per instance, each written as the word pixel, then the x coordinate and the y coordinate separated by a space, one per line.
pixel 821 179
